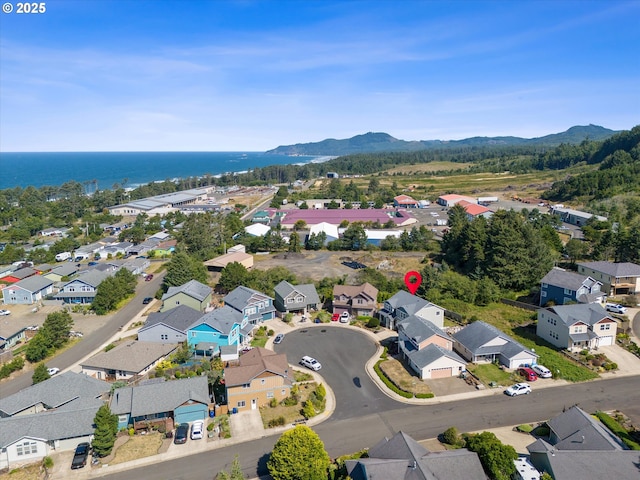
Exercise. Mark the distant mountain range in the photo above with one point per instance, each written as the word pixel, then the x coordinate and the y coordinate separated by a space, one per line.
pixel 383 142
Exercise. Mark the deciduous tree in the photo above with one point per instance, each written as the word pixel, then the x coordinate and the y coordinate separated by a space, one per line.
pixel 299 454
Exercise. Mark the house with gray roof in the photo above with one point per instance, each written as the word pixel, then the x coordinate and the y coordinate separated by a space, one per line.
pixel 221 327
pixel 127 360
pixel 480 342
pixel 296 298
pixel 82 289
pixel 193 294
pixel 29 438
pixel 66 270
pixel 617 278
pixel 580 447
pixel 27 291
pixel 170 326
pixel 428 349
pixel 60 391
pixel 403 304
pixel 402 458
pixel 177 401
pixel 576 327
pixel 561 287
pixel 255 306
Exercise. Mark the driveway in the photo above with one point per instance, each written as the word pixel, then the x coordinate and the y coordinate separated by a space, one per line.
pixel 449 386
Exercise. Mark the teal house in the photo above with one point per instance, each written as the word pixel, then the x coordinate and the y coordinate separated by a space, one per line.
pixel 219 328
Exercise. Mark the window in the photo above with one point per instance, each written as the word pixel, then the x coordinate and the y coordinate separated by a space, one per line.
pixel 262 381
pixel 283 392
pixel 27 448
pixel 289 300
pixel 567 291
pixel 269 394
pixel 246 385
pixel 164 337
pixel 606 326
pixel 242 403
pixel 543 294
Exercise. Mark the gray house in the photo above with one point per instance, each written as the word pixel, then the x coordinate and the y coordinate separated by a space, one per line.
pixel 296 298
pixel 28 291
pixel 562 287
pixel 29 438
pixel 82 289
pixel 402 458
pixel 577 326
pixel 402 305
pixel 61 391
pixel 581 447
pixel 170 326
pixel 481 342
pixel 617 278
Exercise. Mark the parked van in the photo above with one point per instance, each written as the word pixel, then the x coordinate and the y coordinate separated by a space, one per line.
pixel 81 256
pixel 62 256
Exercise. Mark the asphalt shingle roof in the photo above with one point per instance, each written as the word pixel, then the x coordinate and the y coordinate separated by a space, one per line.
pixel 284 289
pixel 559 277
pixel 624 269
pixel 419 329
pixel 577 430
pixel 588 313
pixel 49 426
pixel 255 362
pixel 34 283
pixel 240 297
pixel 132 356
pixel 55 392
pixel 162 397
pixel 432 352
pixel 193 288
pixel 476 335
pixel 179 318
pixel 221 319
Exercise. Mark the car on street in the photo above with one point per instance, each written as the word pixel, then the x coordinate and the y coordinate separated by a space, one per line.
pixel 80 456
pixel 92 264
pixel 52 371
pixel 518 389
pixel 197 430
pixel 615 308
pixel 148 278
pixel 5 312
pixel 542 371
pixel 147 300
pixel 335 317
pixel 182 432
pixel 279 338
pixel 344 317
pixel 528 374
pixel 311 363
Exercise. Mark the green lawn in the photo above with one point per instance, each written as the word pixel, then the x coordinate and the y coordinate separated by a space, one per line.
pixel 488 372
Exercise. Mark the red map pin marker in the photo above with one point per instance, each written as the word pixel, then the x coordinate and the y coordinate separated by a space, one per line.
pixel 413 280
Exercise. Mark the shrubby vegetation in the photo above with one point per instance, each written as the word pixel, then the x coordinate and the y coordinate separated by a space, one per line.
pixel 53 334
pixel 299 454
pixel 112 290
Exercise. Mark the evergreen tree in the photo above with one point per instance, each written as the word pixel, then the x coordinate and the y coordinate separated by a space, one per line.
pixel 106 430
pixel 294 242
pixel 182 268
pixel 299 454
pixel 232 276
pixel 40 374
pixel 56 328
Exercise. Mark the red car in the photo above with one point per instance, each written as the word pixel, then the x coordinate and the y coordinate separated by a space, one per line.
pixel 528 374
pixel 148 278
pixel 335 317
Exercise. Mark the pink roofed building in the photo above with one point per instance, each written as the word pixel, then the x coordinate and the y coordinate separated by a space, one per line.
pixel 405 201
pixel 452 199
pixel 400 218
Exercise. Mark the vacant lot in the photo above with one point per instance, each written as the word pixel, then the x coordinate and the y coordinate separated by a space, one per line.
pixel 318 265
pixel 138 446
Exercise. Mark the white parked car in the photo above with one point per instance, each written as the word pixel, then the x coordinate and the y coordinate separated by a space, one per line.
pixel 52 371
pixel 542 371
pixel 518 389
pixel 311 363
pixel 197 430
pixel 5 312
pixel 615 308
pixel 344 317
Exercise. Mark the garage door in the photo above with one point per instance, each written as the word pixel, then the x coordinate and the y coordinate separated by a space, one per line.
pixel 604 341
pixel 190 413
pixel 441 372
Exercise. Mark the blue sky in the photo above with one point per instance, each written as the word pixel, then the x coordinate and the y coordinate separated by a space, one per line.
pixel 125 75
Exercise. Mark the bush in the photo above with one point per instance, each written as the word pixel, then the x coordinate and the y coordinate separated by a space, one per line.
pixel 273 403
pixel 276 422
pixel 618 429
pixel 525 428
pixel 47 462
pixel 373 322
pixel 309 410
pixel 425 395
pixel 210 427
pixel 451 436
pixel 288 318
pixel 111 346
pixel 270 333
pixel 131 431
pixel 321 392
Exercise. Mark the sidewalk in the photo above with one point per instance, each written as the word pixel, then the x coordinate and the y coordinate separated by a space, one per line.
pixel 246 426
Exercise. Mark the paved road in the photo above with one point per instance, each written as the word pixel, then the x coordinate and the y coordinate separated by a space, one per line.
pixel 421 422
pixel 343 367
pixel 92 341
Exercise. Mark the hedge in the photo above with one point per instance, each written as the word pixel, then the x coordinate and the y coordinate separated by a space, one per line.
pixel 618 429
pixel 388 382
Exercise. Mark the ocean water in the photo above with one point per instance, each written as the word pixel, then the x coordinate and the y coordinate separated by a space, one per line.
pixel 38 169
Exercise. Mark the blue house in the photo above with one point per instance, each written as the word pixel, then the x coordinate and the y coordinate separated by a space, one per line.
pixel 219 328
pixel 184 400
pixel 561 287
pixel 256 307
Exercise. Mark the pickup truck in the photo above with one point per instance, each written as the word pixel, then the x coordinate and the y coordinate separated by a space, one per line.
pixel 81 455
